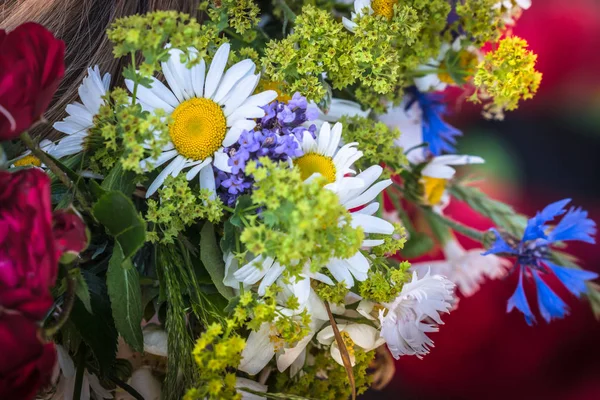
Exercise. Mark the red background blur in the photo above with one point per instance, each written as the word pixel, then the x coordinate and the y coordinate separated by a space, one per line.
pixel 547 150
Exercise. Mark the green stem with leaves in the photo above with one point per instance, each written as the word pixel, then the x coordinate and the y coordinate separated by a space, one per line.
pixel 456 226
pixel 45 159
pixel 69 300
pixel 80 370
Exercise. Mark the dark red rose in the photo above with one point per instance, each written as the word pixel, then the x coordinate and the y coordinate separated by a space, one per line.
pixel 31 67
pixel 31 243
pixel 26 362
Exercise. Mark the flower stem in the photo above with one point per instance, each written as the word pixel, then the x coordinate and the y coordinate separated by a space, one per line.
pixel 53 328
pixel 456 226
pixel 46 160
pixel 80 371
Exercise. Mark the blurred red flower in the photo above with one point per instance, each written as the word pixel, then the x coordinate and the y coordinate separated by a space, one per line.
pixel 31 67
pixel 30 246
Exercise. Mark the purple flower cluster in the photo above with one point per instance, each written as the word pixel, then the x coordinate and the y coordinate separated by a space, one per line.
pixel 277 135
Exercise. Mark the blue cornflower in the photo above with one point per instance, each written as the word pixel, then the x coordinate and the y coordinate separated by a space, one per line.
pixel 437 133
pixel 532 254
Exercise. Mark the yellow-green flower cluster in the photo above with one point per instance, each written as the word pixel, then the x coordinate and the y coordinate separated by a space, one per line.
pixel 123 132
pixel 149 34
pixel 384 286
pixel 376 141
pixel 335 386
pixel 391 243
pixel 180 207
pixel 300 222
pixel 215 353
pixel 506 75
pixel 480 20
pixel 331 293
pixel 241 15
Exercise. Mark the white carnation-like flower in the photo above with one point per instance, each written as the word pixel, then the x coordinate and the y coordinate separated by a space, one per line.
pixel 414 313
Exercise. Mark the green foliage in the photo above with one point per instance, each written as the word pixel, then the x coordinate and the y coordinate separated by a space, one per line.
pixel 300 222
pixel 332 294
pixel 81 289
pixel 179 207
pixel 213 259
pixel 507 75
pixel 123 282
pixel 119 216
pixel 376 141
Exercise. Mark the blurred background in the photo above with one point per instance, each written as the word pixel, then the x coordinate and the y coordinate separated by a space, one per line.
pixel 547 150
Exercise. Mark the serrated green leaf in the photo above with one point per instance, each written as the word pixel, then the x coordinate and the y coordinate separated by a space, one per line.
pixel 125 295
pixel 98 330
pixel 211 257
pixel 81 289
pixel 117 213
pixel 118 179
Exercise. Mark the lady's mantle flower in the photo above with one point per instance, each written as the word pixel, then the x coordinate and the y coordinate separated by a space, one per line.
pixel 466 268
pixel 533 258
pixel 384 8
pixel 208 113
pixel 437 173
pixel 420 120
pixel 361 335
pixel 81 116
pixel 405 325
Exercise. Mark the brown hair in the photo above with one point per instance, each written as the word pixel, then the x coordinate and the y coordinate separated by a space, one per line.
pixel 82 25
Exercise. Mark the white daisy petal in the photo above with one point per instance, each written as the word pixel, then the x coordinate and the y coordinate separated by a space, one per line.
pixel 198 72
pixel 244 112
pixel 196 169
pixel 163 175
pixel 158 96
pixel 207 181
pixel 221 161
pixel 372 224
pixel 240 93
pixel 368 195
pixel 215 72
pixel 261 99
pixel 235 74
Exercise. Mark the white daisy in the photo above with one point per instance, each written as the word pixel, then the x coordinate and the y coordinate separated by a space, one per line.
pixel 340 108
pixel 364 336
pixel 81 116
pixel 263 344
pixel 209 111
pixel 466 268
pixel 406 323
pixel 435 76
pixel 27 159
pixel 383 8
pixel 323 155
pixel 437 173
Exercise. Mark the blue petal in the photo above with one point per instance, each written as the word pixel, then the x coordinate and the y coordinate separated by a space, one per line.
pixel 573 279
pixel 519 300
pixel 499 246
pixel 535 226
pixel 437 133
pixel 575 225
pixel 551 306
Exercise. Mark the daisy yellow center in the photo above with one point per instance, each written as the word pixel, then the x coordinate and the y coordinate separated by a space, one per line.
pixel 433 189
pixel 311 163
pixel 198 128
pixel 28 160
pixel 384 8
pixel 467 63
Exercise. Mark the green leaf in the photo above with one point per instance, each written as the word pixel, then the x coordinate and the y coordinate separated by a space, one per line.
pixel 213 259
pixel 227 242
pixel 125 295
pixel 81 289
pixel 503 215
pixel 593 295
pixel 117 213
pixel 243 203
pixel 97 330
pixel 118 179
pixel 419 244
